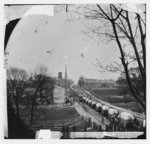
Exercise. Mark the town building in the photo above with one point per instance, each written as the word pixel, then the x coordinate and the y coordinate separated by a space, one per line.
pixel 97 84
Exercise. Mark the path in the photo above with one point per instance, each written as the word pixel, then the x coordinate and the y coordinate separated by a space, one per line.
pixel 88 112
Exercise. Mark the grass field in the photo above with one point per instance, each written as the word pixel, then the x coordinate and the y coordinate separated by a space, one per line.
pixel 113 96
pixel 118 98
pixel 54 118
pixel 50 113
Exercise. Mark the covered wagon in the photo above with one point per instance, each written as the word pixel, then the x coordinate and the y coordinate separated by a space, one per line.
pixel 105 110
pixel 99 107
pixel 126 116
pixel 93 104
pixel 86 100
pixel 127 120
pixel 112 112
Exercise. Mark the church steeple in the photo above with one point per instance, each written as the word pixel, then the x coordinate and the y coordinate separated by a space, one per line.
pixel 66 76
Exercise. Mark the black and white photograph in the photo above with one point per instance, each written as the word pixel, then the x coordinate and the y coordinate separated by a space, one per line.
pixel 75 71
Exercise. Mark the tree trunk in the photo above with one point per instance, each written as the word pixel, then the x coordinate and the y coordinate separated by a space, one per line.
pixel 17 103
pixel 135 49
pixel 125 65
pixel 18 110
pixel 33 104
pixel 142 40
pixel 144 53
pixel 32 108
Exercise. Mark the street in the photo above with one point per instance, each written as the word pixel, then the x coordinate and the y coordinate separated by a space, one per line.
pixel 88 112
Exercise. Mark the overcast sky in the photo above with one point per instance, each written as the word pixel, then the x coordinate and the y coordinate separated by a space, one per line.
pixel 53 41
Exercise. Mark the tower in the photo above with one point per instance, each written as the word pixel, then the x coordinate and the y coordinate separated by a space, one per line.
pixel 66 76
pixel 60 75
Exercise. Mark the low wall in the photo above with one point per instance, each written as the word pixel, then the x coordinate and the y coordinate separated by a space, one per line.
pixel 104 134
pixel 94 135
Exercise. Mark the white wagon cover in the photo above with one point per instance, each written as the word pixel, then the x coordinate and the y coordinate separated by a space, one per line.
pixel 93 102
pixel 98 105
pixel 105 107
pixel 86 99
pixel 112 111
pixel 90 101
pixel 126 116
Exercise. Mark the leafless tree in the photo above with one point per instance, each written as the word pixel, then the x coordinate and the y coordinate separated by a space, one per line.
pixel 39 81
pixel 128 29
pixel 16 84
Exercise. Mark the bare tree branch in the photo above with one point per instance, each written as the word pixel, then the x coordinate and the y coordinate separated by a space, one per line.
pixel 103 12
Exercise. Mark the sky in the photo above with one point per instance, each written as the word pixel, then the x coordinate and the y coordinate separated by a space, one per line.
pixel 47 38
